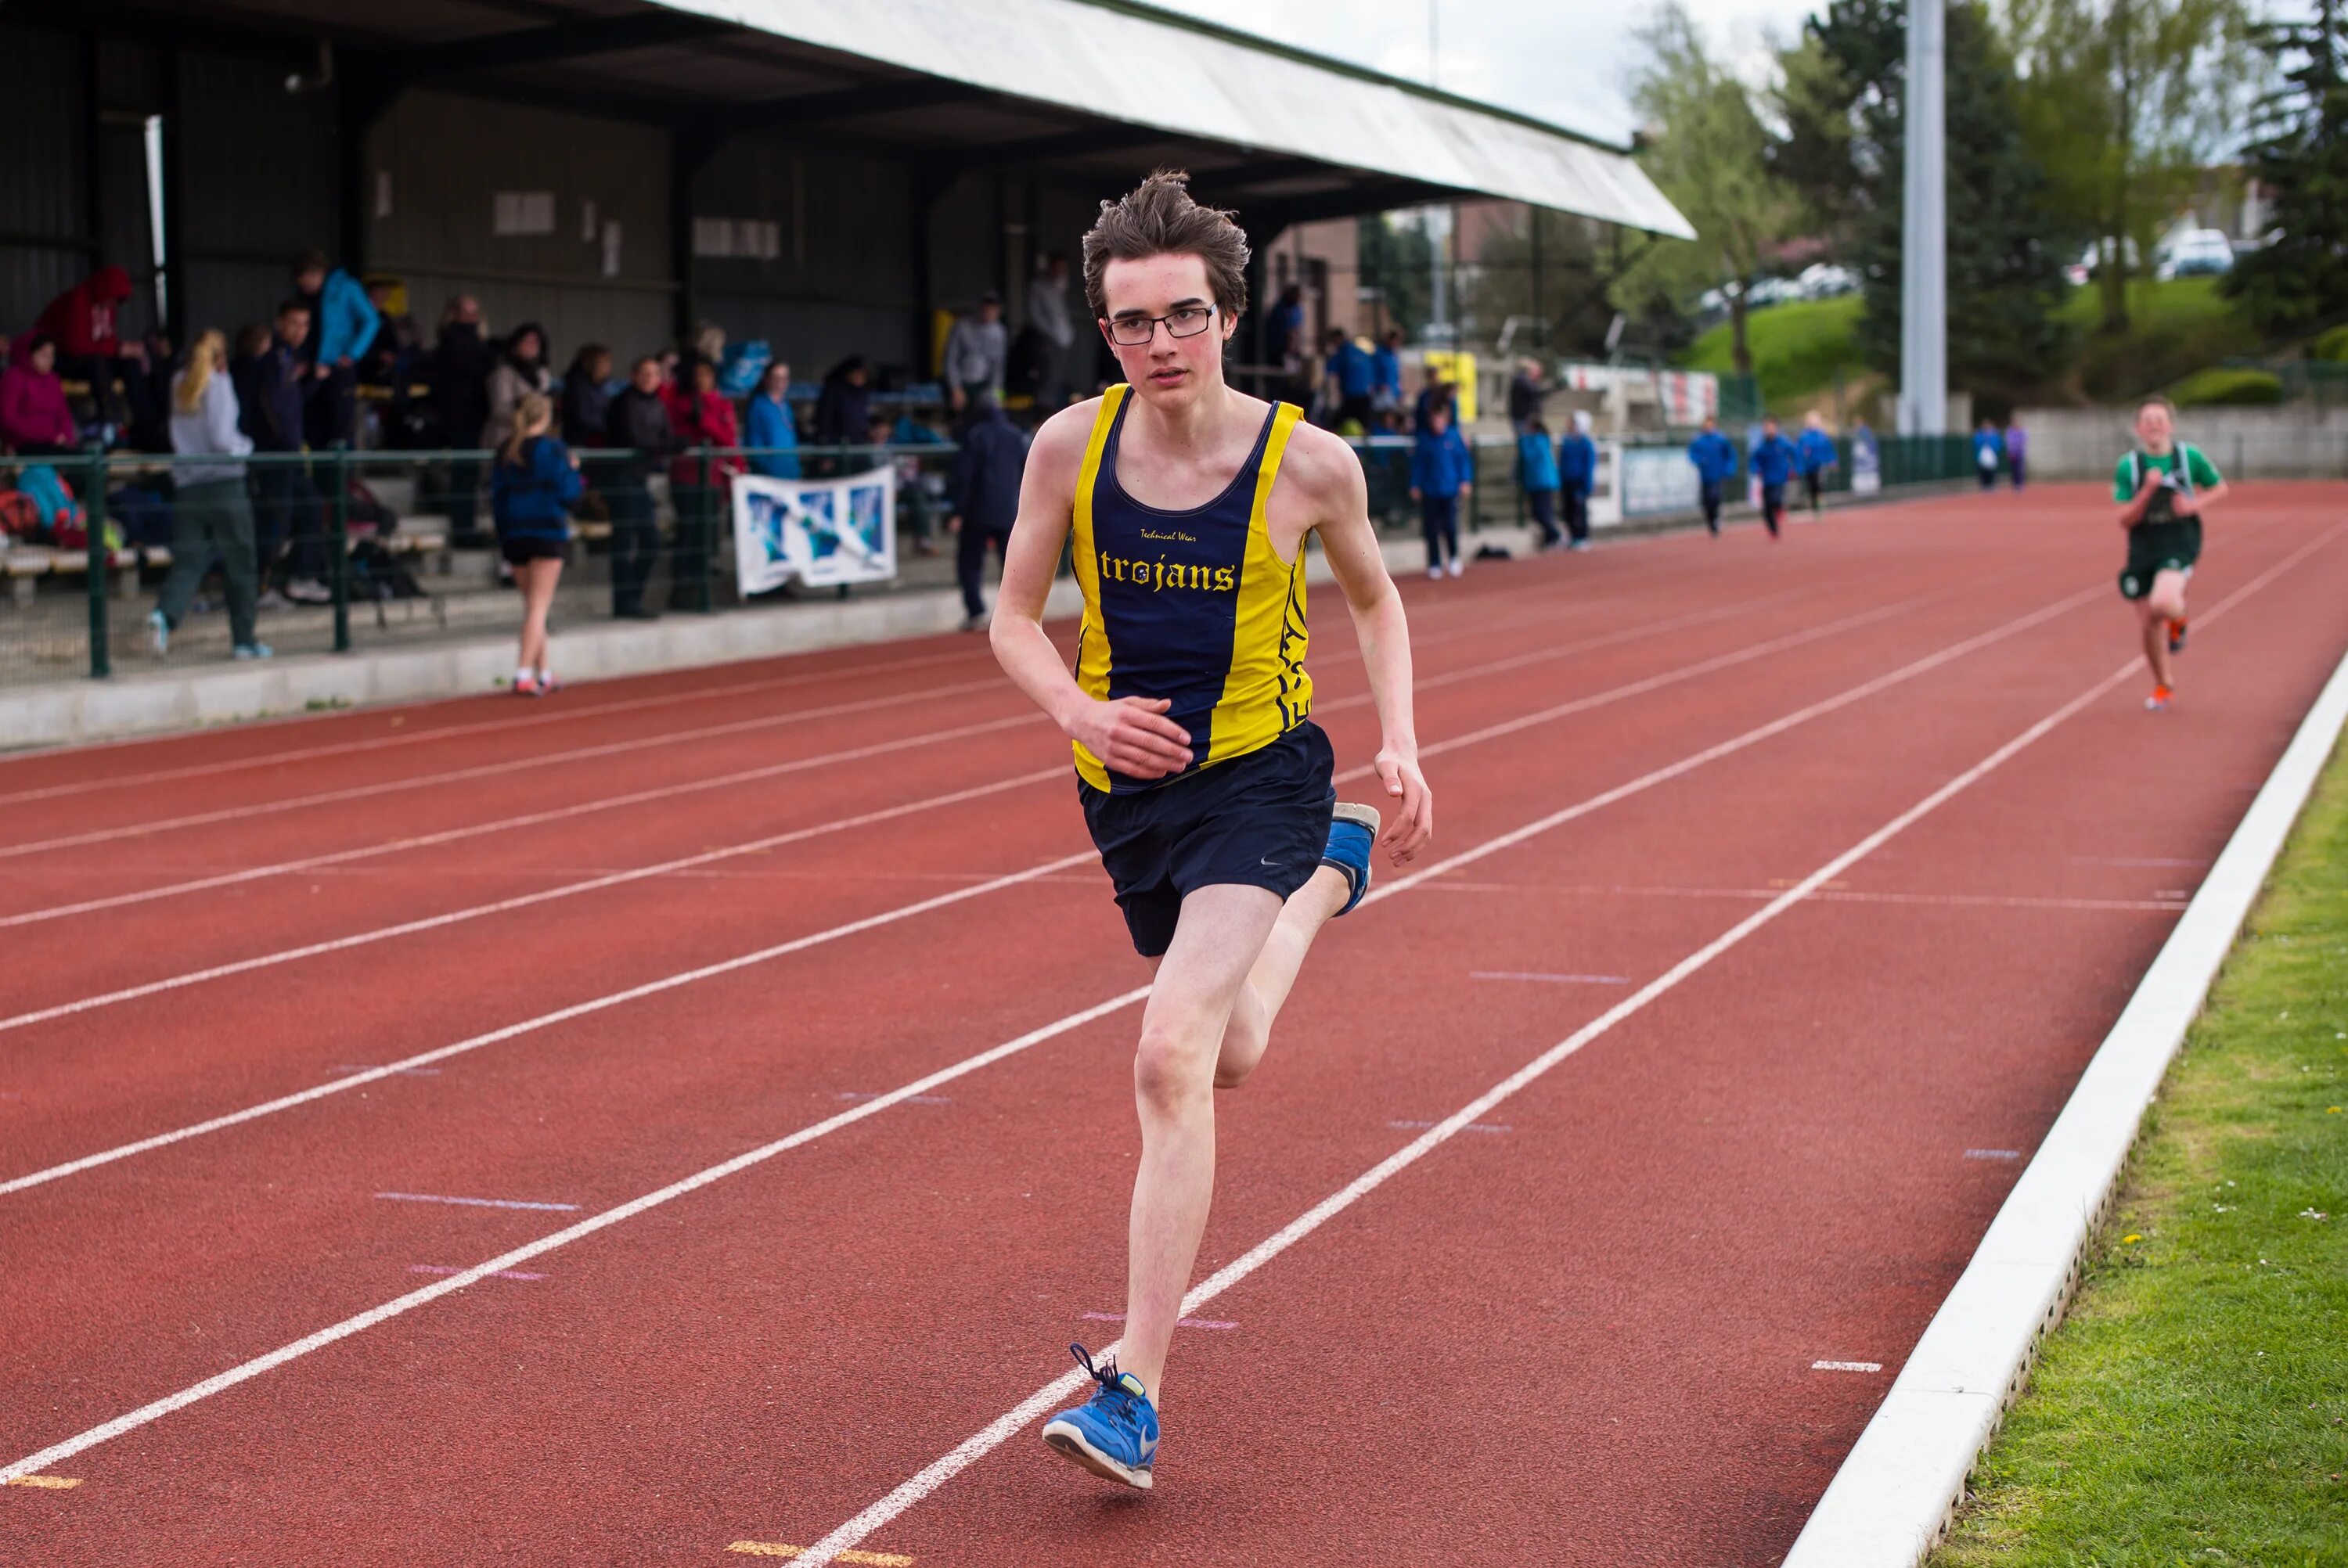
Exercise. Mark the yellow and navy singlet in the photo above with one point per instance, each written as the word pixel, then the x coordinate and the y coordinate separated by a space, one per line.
pixel 1195 606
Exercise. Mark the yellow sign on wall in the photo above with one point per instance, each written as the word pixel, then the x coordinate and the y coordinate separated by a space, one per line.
pixel 1457 367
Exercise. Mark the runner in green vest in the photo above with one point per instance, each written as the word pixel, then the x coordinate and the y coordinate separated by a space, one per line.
pixel 2164 486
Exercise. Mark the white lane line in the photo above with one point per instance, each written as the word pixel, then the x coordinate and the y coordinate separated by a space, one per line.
pixel 1825 896
pixel 1846 1366
pixel 976 1447
pixel 671 792
pixel 872 1519
pixel 1475 1127
pixel 560 713
pixel 1179 1323
pixel 491 770
pixel 1553 980
pixel 1992 1153
pixel 453 1268
pixel 1377 893
pixel 133 1419
pixel 524 900
pixel 476 1203
pixel 526 819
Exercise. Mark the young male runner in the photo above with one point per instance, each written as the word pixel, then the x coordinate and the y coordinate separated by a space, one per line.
pixel 1774 461
pixel 1205 786
pixel 2163 486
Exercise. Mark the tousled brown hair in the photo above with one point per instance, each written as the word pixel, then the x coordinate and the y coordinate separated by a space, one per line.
pixel 1158 218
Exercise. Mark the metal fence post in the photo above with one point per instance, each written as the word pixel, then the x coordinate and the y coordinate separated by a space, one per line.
pixel 338 542
pixel 101 663
pixel 704 532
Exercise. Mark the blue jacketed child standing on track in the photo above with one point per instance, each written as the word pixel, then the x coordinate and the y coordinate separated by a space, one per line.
pixel 1773 462
pixel 533 487
pixel 1715 457
pixel 1577 471
pixel 1816 453
pixel 1442 469
pixel 1537 477
pixel 1989 453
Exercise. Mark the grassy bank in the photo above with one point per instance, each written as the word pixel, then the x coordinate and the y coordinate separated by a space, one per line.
pixel 1795 346
pixel 2194 1407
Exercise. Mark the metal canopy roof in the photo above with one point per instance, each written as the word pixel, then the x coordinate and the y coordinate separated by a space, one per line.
pixel 1145 68
pixel 1285 135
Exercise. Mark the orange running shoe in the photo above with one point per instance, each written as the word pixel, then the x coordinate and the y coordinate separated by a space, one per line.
pixel 2158 702
pixel 2176 635
pixel 525 685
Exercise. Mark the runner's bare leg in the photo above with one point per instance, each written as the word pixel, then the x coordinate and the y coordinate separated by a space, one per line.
pixel 1218 940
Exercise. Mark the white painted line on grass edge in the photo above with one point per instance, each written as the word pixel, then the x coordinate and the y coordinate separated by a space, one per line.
pixel 1896 1492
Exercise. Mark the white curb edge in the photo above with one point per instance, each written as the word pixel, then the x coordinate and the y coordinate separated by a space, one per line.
pixel 1899 1488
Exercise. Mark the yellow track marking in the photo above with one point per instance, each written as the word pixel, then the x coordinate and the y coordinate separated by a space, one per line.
pixel 65 1483
pixel 776 1549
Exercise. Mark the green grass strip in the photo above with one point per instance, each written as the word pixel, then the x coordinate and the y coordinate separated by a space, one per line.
pixel 2193 1408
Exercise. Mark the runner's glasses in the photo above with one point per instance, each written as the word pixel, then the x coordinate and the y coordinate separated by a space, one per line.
pixel 1135 332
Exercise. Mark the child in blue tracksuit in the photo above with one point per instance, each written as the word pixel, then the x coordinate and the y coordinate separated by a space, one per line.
pixel 1577 469
pixel 1773 462
pixel 1815 454
pixel 1537 477
pixel 532 486
pixel 1442 470
pixel 1715 457
pixel 1989 453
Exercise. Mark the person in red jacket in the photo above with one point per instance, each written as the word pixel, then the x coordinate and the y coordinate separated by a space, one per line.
pixel 82 319
pixel 33 417
pixel 699 415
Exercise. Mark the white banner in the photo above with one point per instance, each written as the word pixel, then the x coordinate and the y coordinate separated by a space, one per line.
pixel 824 532
pixel 1658 479
pixel 1866 465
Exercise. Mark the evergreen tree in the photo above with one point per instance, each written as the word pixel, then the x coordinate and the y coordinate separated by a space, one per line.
pixel 2302 162
pixel 1843 100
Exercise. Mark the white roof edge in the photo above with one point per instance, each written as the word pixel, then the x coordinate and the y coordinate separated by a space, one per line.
pixel 1071 53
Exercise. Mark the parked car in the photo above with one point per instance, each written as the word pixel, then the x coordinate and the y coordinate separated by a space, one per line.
pixel 2196 253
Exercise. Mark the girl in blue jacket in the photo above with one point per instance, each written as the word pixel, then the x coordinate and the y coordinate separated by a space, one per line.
pixel 532 490
pixel 1815 452
pixel 1442 470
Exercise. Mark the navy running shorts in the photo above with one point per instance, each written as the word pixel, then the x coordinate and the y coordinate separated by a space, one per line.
pixel 1261 820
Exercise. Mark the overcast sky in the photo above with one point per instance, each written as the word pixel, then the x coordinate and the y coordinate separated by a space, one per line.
pixel 1563 60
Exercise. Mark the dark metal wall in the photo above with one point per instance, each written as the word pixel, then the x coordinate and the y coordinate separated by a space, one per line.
pixel 44 175
pixel 258 183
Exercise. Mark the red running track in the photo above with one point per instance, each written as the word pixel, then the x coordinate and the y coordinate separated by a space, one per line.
pixel 1581 1330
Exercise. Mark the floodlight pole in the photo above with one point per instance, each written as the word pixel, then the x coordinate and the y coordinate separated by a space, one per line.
pixel 1924 235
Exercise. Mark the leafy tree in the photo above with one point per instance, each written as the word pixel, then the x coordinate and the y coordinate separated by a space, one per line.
pixel 2302 274
pixel 1396 257
pixel 1709 152
pixel 1843 100
pixel 2125 102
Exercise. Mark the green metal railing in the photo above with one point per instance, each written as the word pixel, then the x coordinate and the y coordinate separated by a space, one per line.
pixel 436 569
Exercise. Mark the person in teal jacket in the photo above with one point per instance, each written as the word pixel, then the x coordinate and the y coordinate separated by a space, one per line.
pixel 1537 477
pixel 1715 457
pixel 342 326
pixel 773 436
pixel 1815 452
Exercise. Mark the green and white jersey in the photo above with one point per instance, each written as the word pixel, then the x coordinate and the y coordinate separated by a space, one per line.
pixel 2199 473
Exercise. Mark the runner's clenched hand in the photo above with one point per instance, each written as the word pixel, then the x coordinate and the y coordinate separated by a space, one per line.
pixel 1133 736
pixel 1408 828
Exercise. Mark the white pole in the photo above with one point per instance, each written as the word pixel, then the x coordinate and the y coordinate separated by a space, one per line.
pixel 1924 242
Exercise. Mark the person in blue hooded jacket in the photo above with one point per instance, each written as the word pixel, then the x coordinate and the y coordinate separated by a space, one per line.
pixel 1577 471
pixel 1442 469
pixel 1816 453
pixel 1715 457
pixel 1774 462
pixel 533 487
pixel 343 327
pixel 1537 477
pixel 1989 453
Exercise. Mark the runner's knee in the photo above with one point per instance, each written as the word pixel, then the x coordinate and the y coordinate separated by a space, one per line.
pixel 1169 1067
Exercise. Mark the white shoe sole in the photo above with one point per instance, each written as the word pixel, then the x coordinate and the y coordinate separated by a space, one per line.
pixel 1063 1438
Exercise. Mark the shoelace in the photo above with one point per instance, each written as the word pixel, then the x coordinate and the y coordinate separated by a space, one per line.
pixel 1116 1400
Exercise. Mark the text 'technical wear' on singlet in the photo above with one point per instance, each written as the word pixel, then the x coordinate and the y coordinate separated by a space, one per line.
pixel 1195 607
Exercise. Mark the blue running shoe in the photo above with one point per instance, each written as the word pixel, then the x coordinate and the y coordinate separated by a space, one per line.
pixel 1352 833
pixel 1114 1434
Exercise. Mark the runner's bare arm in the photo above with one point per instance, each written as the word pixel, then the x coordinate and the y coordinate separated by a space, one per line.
pixel 1331 477
pixel 2132 512
pixel 1130 736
